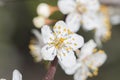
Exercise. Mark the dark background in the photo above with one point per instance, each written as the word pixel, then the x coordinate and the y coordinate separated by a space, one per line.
pixel 15 32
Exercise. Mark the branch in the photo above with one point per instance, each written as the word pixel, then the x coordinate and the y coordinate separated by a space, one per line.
pixel 52 69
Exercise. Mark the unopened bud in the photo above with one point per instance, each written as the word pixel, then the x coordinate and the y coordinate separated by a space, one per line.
pixel 45 10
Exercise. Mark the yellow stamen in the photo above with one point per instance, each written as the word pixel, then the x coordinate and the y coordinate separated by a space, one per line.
pixel 59 42
pixel 69 32
pixel 94 50
pixel 65 30
pixel 75 44
pixel 106 20
pixel 59 27
pixel 101 51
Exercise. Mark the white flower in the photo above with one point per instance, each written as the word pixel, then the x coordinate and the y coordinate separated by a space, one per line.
pixel 88 62
pixel 36 45
pixel 79 12
pixel 16 75
pixel 102 34
pixel 61 43
pixel 103 27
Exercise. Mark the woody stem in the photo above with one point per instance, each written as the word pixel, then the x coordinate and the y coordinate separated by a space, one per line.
pixel 52 69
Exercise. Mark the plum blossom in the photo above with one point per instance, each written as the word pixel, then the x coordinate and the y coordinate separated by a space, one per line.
pixel 89 60
pixel 79 12
pixel 36 45
pixel 103 27
pixel 61 43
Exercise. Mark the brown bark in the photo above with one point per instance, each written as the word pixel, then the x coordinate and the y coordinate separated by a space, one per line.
pixel 51 71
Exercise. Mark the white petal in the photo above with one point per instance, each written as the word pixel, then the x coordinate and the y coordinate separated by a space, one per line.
pixel 115 19
pixel 47 34
pixel 67 59
pixel 87 49
pixel 72 70
pixel 61 29
pixel 39 21
pixel 66 6
pixel 98 40
pixel 16 75
pixel 96 59
pixel 82 1
pixel 38 36
pixel 35 50
pixel 81 73
pixel 114 14
pixel 99 34
pixel 43 10
pixel 36 46
pixel 48 52
pixel 93 6
pixel 74 41
pixel 90 21
pixel 73 21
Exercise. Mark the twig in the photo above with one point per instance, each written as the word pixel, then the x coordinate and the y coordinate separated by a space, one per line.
pixel 52 69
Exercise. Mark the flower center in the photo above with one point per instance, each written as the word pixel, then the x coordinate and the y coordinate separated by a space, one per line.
pixel 59 42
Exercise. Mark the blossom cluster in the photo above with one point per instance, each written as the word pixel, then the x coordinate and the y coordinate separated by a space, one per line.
pixel 75 56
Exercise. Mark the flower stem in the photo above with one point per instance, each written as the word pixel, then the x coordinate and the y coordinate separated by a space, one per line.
pixel 52 69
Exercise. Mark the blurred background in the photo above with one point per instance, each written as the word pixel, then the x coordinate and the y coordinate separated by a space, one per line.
pixel 15 33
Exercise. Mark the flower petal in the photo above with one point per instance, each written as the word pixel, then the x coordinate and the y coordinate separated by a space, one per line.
pixel 73 21
pixel 61 29
pixel 38 36
pixel 47 34
pixel 99 34
pixel 66 6
pixel 96 59
pixel 74 41
pixel 66 59
pixel 93 6
pixel 81 73
pixel 36 46
pixel 90 21
pixel 71 70
pixel 16 75
pixel 35 50
pixel 48 52
pixel 87 49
